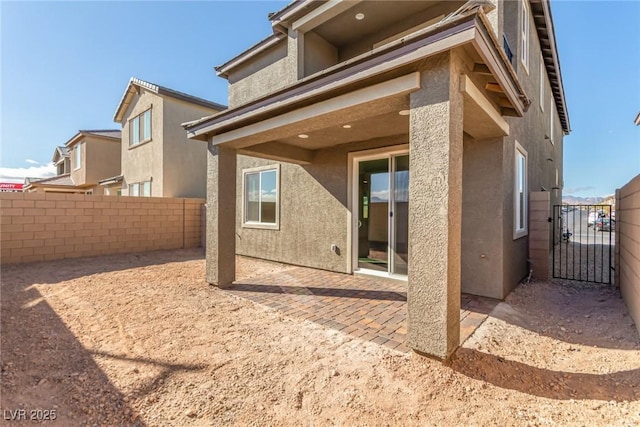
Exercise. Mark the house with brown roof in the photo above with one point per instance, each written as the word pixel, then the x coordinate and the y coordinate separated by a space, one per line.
pixel 156 156
pixel 85 159
pixel 394 138
pixel 62 160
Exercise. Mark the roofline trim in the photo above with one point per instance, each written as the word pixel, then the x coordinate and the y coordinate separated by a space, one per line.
pixel 131 90
pixel 553 62
pixel 83 133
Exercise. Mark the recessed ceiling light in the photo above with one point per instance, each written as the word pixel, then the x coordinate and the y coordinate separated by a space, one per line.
pixel 404 112
pixel 346 126
pixel 303 136
pixel 359 16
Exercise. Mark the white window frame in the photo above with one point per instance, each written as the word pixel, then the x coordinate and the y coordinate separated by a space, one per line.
pixel 136 122
pixel 256 224
pixel 77 156
pixel 136 192
pixel 524 36
pixel 519 232
pixel 542 83
pixel 139 186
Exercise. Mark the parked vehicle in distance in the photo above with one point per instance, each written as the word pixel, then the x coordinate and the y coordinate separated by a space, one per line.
pixel 605 224
pixel 594 217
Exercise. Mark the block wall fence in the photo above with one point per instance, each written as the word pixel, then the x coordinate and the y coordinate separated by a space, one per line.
pixel 47 226
pixel 627 251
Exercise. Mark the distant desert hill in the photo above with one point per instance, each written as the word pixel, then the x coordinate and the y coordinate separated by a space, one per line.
pixel 576 200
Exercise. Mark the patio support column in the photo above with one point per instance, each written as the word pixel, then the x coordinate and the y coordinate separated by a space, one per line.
pixel 221 215
pixel 435 209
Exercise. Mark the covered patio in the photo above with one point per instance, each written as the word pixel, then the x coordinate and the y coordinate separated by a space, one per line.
pixel 418 107
pixel 370 308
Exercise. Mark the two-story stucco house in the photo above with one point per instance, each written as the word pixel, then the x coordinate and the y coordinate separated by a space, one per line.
pixel 397 138
pixel 157 158
pixel 62 160
pixel 84 160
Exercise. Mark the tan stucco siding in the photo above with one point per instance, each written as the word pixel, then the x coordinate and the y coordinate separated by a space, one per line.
pixel 185 165
pixel 102 159
pixel 314 211
pixel 144 161
pixel 544 157
pixel 482 216
pixel 267 72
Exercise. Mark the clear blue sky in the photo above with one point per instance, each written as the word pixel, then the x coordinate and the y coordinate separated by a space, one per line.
pixel 65 66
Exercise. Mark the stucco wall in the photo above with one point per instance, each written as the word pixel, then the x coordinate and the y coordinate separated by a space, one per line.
pixel 318 54
pixel 102 159
pixel 185 165
pixel 482 217
pixel 314 211
pixel 532 132
pixel 47 226
pixel 267 72
pixel 144 161
pixel 628 241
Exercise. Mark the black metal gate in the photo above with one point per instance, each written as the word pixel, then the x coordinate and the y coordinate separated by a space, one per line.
pixel 583 242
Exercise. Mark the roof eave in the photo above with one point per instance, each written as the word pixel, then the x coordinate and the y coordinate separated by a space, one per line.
pixel 552 59
pixel 317 83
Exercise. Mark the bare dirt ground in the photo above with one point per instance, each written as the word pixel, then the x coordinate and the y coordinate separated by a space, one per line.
pixel 143 340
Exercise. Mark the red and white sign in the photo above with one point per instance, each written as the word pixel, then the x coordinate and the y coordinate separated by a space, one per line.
pixel 10 186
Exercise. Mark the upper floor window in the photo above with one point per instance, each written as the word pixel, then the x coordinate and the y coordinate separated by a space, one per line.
pixel 140 128
pixel 520 193
pixel 77 156
pixel 524 36
pixel 260 197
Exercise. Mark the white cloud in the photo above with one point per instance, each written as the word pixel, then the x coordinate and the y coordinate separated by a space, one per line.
pixel 380 195
pixel 19 174
pixel 32 162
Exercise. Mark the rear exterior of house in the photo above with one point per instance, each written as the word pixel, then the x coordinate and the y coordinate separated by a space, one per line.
pixel 157 158
pixel 393 138
pixel 87 158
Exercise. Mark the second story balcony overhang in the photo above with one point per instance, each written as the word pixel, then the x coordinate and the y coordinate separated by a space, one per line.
pixel 370 89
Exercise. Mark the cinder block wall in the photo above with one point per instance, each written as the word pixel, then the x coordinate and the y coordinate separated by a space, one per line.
pixel 539 233
pixel 47 226
pixel 628 246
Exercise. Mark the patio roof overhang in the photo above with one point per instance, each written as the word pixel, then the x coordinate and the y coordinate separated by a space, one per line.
pixel 366 94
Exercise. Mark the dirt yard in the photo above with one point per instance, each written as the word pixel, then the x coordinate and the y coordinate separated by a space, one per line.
pixel 143 340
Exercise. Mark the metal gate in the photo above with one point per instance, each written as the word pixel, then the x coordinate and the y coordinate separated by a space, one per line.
pixel 583 242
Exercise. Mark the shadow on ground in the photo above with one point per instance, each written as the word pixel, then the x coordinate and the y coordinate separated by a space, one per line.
pixel 45 367
pixel 577 314
pixel 618 386
pixel 69 269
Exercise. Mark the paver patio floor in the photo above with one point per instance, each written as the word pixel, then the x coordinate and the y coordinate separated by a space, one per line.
pixel 368 307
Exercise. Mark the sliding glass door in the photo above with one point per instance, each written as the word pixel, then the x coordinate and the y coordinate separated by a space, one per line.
pixel 382 207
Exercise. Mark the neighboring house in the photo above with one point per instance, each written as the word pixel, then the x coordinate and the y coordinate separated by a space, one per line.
pixel 62 160
pixel 87 158
pixel 394 138
pixel 157 158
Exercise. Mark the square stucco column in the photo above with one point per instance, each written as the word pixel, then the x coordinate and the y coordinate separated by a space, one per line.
pixel 435 210
pixel 221 215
